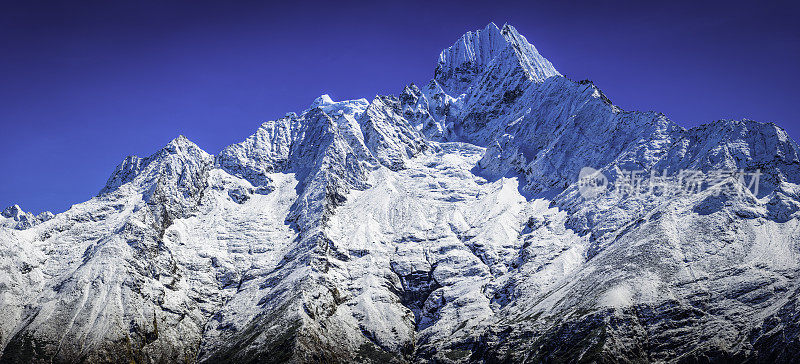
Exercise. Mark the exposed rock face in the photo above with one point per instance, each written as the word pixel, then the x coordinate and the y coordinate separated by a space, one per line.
pixel 445 224
pixel 15 218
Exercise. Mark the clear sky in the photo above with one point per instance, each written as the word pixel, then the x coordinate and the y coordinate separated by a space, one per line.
pixel 82 86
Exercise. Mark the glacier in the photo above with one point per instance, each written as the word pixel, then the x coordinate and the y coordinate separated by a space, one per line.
pixel 444 224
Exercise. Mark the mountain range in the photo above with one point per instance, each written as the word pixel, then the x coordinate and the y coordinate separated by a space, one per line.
pixel 444 224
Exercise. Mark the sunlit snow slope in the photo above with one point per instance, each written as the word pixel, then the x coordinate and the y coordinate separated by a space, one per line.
pixel 443 224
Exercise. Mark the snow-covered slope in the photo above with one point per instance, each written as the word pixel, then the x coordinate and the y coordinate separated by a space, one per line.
pixel 445 224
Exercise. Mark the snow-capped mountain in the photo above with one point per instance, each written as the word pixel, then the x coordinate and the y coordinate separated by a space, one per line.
pixel 14 217
pixel 445 224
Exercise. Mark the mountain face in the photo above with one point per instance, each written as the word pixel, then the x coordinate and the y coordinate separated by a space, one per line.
pixel 444 224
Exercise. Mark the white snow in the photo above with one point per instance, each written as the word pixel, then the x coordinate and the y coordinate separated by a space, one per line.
pixel 416 226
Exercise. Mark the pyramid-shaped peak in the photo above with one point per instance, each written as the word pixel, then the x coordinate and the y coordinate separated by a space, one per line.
pixel 491 28
pixel 13 211
pixel 179 152
pixel 322 100
pixel 182 145
pixel 474 47
pixel 181 140
pixel 469 56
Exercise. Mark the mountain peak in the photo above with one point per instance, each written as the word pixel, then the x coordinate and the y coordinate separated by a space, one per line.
pixel 180 142
pixel 184 147
pixel 359 228
pixel 323 100
pixel 180 139
pixel 178 151
pixel 538 67
pixel 22 220
pixel 491 28
pixel 330 107
pixel 13 211
pixel 468 57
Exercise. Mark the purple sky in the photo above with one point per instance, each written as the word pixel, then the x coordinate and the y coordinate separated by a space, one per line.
pixel 82 86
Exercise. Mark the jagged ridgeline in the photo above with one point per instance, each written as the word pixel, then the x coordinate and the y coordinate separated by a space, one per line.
pixel 444 224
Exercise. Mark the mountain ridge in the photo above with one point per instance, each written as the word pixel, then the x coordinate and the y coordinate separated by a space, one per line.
pixel 444 224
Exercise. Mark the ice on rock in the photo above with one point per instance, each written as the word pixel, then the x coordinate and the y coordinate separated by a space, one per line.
pixel 13 212
pixel 14 217
pixel 444 224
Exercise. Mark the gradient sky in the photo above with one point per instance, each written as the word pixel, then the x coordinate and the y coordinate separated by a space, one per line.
pixel 82 86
